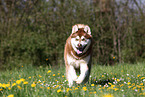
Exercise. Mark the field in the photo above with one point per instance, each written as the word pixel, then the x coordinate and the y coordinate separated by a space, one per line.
pixel 122 80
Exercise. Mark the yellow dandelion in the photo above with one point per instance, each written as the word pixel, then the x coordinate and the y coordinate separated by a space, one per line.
pixel 118 80
pixel 48 88
pixel 102 75
pixel 138 75
pixel 141 84
pixel 143 78
pixel 133 84
pixel 92 84
pixel 11 95
pixel 9 88
pixel 29 77
pixel 121 85
pixel 63 76
pixel 128 83
pixel 116 89
pixel 13 84
pixel 19 87
pixel 53 75
pixel 40 76
pixel 22 79
pixel 108 95
pixel 59 90
pixel 1 89
pixel 18 81
pixel 48 71
pixel 33 85
pixel 85 88
pixel 129 86
pixel 134 88
pixel 113 57
pixel 25 82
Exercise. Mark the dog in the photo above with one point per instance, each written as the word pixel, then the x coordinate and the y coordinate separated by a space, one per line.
pixel 78 54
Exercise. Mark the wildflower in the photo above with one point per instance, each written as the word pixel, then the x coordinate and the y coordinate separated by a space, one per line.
pixel 33 85
pixel 18 81
pixel 48 88
pixel 116 89
pixel 9 88
pixel 128 83
pixel 92 84
pixel 53 75
pixel 59 90
pixel 13 84
pixel 118 80
pixel 48 71
pixel 47 59
pixel 40 76
pixel 102 75
pixel 22 79
pixel 143 78
pixel 1 89
pixel 63 76
pixel 11 95
pixel 141 84
pixel 108 95
pixel 25 82
pixel 138 75
pixel 84 88
pixel 113 57
pixel 19 87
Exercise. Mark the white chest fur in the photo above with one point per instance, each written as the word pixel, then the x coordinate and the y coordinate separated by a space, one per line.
pixel 76 63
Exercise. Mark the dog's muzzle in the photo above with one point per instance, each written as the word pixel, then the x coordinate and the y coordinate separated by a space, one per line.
pixel 80 49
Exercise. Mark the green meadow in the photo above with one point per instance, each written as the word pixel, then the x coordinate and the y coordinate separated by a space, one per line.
pixel 121 80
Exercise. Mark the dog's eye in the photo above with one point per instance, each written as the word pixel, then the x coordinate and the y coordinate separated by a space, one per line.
pixel 77 39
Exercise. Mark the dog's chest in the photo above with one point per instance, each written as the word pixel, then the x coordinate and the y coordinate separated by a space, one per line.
pixel 76 63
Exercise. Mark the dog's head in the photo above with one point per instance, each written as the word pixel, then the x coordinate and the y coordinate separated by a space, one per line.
pixel 81 38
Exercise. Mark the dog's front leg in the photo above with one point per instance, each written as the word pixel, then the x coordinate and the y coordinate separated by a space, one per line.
pixel 71 75
pixel 84 76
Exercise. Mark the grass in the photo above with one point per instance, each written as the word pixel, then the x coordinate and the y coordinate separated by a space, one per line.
pixel 122 80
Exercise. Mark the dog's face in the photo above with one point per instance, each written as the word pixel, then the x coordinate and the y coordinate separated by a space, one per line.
pixel 80 39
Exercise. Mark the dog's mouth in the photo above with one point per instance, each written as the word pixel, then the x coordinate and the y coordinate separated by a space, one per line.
pixel 80 50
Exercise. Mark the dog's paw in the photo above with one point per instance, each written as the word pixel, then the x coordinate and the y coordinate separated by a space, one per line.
pixel 78 81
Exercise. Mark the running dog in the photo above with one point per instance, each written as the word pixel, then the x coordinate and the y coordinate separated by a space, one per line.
pixel 78 54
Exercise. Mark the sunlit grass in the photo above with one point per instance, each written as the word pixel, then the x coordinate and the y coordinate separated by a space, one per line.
pixel 123 80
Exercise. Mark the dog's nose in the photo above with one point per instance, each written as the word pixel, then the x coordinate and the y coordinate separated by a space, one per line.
pixel 79 45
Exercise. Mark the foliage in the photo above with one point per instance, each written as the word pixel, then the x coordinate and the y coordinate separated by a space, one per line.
pixel 121 80
pixel 35 31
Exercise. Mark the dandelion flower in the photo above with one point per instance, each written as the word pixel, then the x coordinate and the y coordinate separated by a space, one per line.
pixel 92 85
pixel 19 87
pixel 25 82
pixel 18 81
pixel 108 95
pixel 84 88
pixel 48 71
pixel 11 95
pixel 33 85
pixel 59 90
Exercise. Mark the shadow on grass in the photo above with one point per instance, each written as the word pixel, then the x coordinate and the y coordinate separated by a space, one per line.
pixel 101 81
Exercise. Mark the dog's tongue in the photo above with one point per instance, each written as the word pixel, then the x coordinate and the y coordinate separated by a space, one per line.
pixel 79 52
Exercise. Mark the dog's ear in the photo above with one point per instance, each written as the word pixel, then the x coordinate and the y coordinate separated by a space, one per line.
pixel 74 29
pixel 87 29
